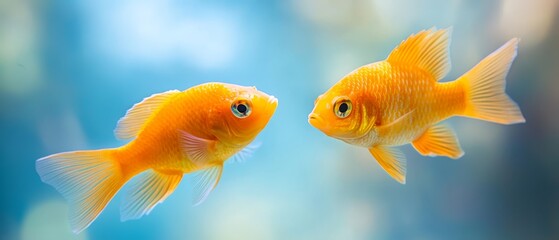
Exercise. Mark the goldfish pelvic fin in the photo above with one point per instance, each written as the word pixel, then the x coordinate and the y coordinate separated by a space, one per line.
pixel 197 149
pixel 136 117
pixel 206 181
pixel 87 179
pixel 147 190
pixel 392 160
pixel 246 152
pixel 438 140
pixel 484 87
pixel 427 50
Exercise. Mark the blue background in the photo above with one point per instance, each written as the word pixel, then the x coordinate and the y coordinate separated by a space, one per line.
pixel 70 69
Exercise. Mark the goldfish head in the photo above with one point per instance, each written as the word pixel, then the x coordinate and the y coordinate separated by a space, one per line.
pixel 240 113
pixel 341 113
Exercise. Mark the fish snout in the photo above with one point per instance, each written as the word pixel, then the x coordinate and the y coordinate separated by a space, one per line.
pixel 314 119
pixel 273 100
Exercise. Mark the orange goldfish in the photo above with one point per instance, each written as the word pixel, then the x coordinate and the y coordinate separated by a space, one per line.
pixel 400 100
pixel 173 133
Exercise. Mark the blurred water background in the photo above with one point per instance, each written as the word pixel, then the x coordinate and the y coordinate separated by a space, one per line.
pixel 70 69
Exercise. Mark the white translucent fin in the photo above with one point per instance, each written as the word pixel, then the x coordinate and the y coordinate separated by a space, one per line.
pixel 392 160
pixel 147 190
pixel 197 149
pixel 438 140
pixel 206 181
pixel 87 179
pixel 246 152
pixel 132 123
pixel 484 86
pixel 427 50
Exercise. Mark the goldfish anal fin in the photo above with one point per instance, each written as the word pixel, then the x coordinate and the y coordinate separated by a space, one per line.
pixel 205 181
pixel 246 152
pixel 392 160
pixel 87 179
pixel 438 140
pixel 197 149
pixel 136 117
pixel 146 191
pixel 428 50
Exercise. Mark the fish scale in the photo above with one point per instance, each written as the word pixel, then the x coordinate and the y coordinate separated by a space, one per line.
pixel 172 133
pixel 399 101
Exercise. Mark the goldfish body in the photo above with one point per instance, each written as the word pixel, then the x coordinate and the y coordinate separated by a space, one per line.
pixel 399 101
pixel 174 133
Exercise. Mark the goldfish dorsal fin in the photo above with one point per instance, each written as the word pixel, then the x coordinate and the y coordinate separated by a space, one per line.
pixel 206 181
pixel 392 160
pixel 438 140
pixel 427 50
pixel 136 117
pixel 149 189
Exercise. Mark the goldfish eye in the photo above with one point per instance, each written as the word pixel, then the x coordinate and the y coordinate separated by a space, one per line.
pixel 241 108
pixel 342 108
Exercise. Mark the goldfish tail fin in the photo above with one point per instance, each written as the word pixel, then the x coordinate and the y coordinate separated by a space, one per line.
pixel 87 179
pixel 484 87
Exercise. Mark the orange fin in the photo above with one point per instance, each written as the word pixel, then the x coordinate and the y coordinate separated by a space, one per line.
pixel 206 181
pixel 392 160
pixel 149 189
pixel 484 86
pixel 428 50
pixel 438 141
pixel 87 179
pixel 397 124
pixel 197 149
pixel 136 117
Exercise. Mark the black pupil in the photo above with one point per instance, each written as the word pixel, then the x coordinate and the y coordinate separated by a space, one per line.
pixel 242 108
pixel 343 107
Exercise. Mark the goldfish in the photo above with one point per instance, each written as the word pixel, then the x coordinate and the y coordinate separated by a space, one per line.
pixel 401 100
pixel 173 133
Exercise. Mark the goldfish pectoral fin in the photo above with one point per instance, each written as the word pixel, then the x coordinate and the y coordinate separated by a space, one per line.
pixel 427 50
pixel 197 149
pixel 396 125
pixel 132 123
pixel 206 180
pixel 87 179
pixel 146 191
pixel 484 87
pixel 438 140
pixel 392 160
pixel 246 152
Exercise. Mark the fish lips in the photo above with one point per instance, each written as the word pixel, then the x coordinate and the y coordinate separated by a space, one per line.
pixel 318 122
pixel 271 105
pixel 273 102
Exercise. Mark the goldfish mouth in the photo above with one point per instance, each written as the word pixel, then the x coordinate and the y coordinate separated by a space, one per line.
pixel 314 120
pixel 317 122
pixel 273 102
